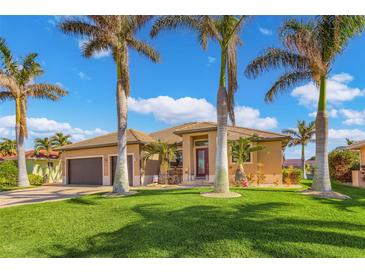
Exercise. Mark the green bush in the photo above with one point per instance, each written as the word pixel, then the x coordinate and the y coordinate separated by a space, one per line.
pixel 341 163
pixel 8 174
pixel 35 180
pixel 292 175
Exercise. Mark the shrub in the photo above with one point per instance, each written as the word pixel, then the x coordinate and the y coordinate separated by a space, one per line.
pixel 292 175
pixel 8 174
pixel 341 163
pixel 35 180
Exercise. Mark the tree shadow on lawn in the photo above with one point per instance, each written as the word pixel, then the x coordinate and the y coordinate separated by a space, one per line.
pixel 357 198
pixel 210 231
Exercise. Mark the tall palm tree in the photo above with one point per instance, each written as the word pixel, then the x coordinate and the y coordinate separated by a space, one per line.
pixel 117 34
pixel 308 53
pixel 16 81
pixel 302 135
pixel 166 153
pixel 7 147
pixel 241 150
pixel 225 31
pixel 59 139
pixel 47 145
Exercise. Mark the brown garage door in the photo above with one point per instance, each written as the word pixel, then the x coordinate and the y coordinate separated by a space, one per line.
pixel 86 171
pixel 130 168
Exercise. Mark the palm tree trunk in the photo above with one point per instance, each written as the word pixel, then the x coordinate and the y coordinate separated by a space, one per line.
pixel 121 182
pixel 303 163
pixel 240 176
pixel 23 180
pixel 322 179
pixel 221 182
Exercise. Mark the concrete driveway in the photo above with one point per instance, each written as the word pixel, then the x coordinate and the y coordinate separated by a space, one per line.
pixel 47 193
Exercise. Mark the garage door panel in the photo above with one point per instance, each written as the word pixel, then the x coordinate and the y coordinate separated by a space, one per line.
pixel 86 171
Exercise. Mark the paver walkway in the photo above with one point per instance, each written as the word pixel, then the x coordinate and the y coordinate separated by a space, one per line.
pixel 47 193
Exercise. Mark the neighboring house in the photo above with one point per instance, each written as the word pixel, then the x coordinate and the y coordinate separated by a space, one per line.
pixel 297 163
pixel 358 176
pixel 93 161
pixel 38 164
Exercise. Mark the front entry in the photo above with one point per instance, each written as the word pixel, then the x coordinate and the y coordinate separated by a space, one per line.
pixel 202 162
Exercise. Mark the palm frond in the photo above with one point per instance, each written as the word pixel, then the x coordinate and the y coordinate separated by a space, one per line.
pixel 291 132
pixel 7 58
pixel 170 22
pixel 275 58
pixel 335 31
pixel 285 82
pixel 144 49
pixel 46 91
pixel 94 46
pixel 9 83
pixel 6 95
pixel 138 21
pixel 30 69
pixel 79 27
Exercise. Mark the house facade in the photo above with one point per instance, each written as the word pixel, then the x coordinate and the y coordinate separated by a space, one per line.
pixel 358 176
pixel 37 163
pixel 93 161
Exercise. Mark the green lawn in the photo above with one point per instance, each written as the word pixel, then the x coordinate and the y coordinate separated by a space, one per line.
pixel 181 223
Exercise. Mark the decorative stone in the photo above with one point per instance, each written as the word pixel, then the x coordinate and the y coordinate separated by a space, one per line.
pixel 220 195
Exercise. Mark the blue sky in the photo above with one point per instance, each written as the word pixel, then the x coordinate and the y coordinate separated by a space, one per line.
pixel 181 88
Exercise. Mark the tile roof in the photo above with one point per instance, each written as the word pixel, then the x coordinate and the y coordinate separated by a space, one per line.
pixel 234 132
pixel 356 145
pixel 30 154
pixel 171 135
pixel 110 139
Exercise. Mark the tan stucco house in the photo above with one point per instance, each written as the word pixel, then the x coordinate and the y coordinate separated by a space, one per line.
pixel 93 161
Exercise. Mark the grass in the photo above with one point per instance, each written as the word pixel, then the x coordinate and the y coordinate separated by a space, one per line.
pixel 181 223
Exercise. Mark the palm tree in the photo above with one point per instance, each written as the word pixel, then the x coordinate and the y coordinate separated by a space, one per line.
pixel 59 139
pixel 166 153
pixel 308 53
pixel 349 141
pixel 46 144
pixel 117 34
pixel 241 150
pixel 302 135
pixel 225 30
pixel 7 147
pixel 16 81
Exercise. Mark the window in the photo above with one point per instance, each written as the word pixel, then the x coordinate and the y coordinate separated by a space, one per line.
pixel 201 143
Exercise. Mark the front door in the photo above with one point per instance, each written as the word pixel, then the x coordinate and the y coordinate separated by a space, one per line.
pixel 202 161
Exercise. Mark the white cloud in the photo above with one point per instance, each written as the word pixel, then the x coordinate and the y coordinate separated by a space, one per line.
pixel 97 55
pixel 83 76
pixel 174 111
pixel 337 91
pixel 331 113
pixel 43 127
pixel 343 77
pixel 265 31
pixel 250 117
pixel 211 59
pixel 353 134
pixel 353 117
